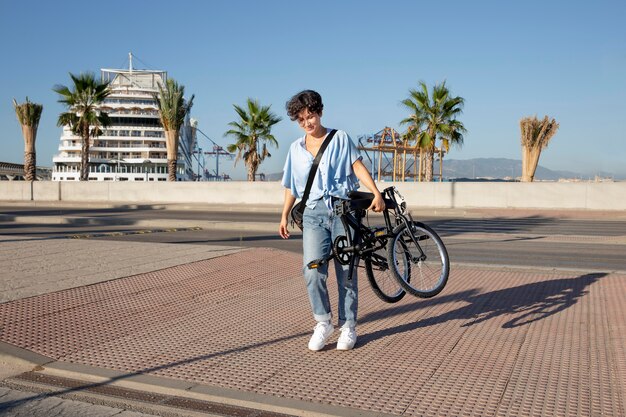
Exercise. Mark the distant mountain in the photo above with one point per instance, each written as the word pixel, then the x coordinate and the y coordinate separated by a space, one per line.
pixel 491 169
pixel 503 168
pixel 500 168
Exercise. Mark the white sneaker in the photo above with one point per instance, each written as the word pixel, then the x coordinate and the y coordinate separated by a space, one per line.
pixel 321 333
pixel 347 339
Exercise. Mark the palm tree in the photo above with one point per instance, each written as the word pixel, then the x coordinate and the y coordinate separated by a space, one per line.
pixel 28 114
pixel 83 116
pixel 172 110
pixel 433 117
pixel 535 136
pixel 451 135
pixel 252 132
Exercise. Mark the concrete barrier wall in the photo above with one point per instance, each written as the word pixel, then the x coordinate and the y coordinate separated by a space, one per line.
pixel 554 195
pixel 593 196
pixel 15 191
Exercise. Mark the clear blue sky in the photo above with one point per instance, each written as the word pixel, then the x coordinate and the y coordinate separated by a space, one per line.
pixel 565 59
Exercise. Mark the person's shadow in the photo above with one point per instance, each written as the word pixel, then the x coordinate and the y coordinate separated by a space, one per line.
pixel 525 304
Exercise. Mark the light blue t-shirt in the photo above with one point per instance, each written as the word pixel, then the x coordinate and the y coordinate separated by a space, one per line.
pixel 335 176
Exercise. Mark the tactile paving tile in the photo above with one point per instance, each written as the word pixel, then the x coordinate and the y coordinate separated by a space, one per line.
pixel 493 343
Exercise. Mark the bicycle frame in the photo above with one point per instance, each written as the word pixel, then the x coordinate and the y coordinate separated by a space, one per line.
pixel 362 240
pixel 387 250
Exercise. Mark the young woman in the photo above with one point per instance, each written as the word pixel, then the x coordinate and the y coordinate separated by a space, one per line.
pixel 339 172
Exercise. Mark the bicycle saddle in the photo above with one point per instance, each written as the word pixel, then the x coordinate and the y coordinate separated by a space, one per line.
pixel 362 200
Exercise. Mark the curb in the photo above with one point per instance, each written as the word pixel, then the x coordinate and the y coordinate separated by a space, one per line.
pixel 92 377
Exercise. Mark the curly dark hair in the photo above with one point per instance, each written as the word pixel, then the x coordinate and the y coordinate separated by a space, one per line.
pixel 307 99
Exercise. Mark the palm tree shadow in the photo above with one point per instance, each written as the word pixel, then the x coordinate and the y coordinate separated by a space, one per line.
pixel 525 304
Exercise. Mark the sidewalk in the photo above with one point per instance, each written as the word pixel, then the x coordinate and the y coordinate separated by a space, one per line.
pixel 230 327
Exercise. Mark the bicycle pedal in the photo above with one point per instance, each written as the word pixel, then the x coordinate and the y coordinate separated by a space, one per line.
pixel 380 232
pixel 315 264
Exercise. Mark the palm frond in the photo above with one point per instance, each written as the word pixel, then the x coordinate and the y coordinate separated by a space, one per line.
pixel 433 115
pixel 82 116
pixel 171 104
pixel 28 113
pixel 537 133
pixel 252 133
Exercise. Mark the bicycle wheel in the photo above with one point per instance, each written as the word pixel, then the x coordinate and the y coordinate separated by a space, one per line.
pixel 419 260
pixel 381 278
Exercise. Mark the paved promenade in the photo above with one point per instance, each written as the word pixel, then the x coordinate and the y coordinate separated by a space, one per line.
pixel 225 330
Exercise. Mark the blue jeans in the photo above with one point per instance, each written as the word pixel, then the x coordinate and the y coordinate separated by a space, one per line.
pixel 321 227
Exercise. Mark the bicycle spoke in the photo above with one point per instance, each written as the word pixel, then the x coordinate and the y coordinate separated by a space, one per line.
pixel 419 259
pixel 381 277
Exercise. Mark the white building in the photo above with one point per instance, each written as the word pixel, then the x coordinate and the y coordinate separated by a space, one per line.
pixel 133 147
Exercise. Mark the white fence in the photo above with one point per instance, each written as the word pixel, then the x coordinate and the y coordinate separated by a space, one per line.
pixel 552 195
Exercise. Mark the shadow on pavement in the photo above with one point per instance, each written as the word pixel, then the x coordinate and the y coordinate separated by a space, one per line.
pixel 93 386
pixel 452 227
pixel 525 304
pixel 68 211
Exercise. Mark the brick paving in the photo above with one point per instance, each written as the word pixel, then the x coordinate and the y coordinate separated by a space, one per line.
pixel 493 343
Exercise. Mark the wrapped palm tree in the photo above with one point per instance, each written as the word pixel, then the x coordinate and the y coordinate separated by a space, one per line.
pixel 535 137
pixel 172 110
pixel 253 133
pixel 433 117
pixel 83 116
pixel 28 114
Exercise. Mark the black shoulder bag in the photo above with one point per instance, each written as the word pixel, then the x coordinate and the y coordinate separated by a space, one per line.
pixel 298 210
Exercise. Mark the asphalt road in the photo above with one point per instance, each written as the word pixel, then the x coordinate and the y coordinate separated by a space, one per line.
pixel 532 241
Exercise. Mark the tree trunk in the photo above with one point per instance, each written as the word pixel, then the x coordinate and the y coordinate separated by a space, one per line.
pixel 252 168
pixel 171 142
pixel 533 161
pixel 30 166
pixel 428 164
pixel 171 169
pixel 440 165
pixel 30 157
pixel 84 156
pixel 526 174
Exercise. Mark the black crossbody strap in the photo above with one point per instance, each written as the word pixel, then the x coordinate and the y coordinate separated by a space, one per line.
pixel 316 162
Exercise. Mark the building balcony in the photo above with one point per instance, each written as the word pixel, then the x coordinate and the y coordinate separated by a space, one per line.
pixel 127 148
pixel 66 159
pixel 75 148
pixel 126 92
pixel 134 114
pixel 128 135
pixel 125 103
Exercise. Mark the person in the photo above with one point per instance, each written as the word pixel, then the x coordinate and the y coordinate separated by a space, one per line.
pixel 340 170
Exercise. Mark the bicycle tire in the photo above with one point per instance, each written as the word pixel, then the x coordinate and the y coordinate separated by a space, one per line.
pixel 425 277
pixel 381 277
